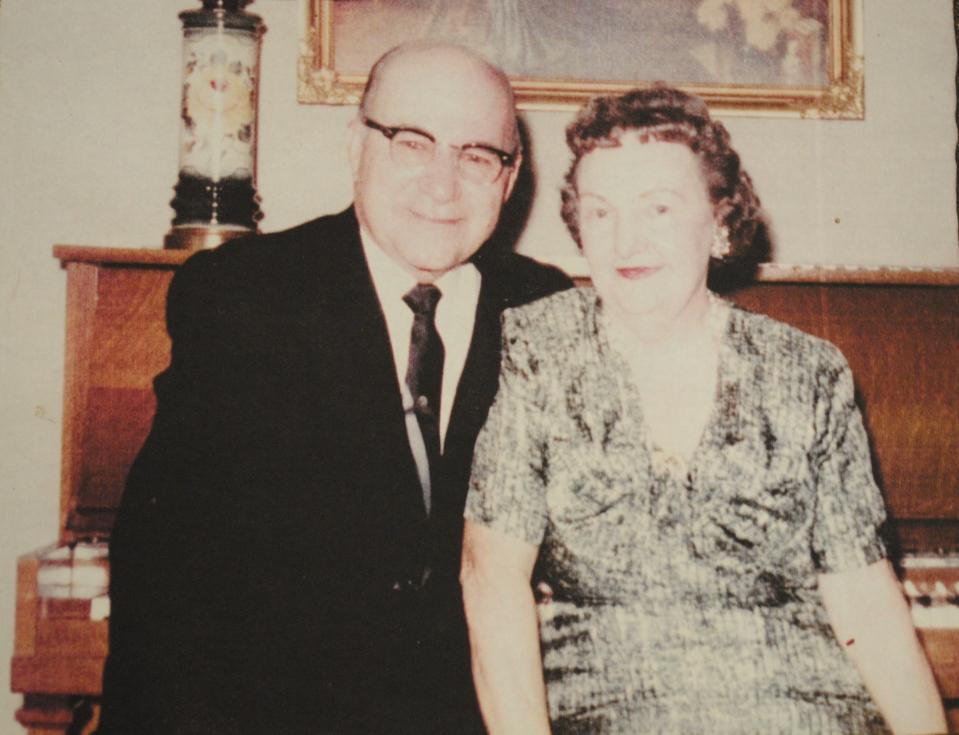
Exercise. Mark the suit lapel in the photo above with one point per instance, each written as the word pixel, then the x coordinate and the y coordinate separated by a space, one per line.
pixel 478 383
pixel 347 339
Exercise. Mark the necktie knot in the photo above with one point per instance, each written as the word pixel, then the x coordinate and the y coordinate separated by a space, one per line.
pixel 422 299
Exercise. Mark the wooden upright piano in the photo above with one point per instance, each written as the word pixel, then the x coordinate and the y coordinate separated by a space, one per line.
pixel 116 342
pixel 899 330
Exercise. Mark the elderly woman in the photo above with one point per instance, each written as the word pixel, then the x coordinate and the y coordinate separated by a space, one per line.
pixel 694 479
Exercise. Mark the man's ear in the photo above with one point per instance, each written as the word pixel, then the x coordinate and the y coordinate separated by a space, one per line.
pixel 513 175
pixel 354 148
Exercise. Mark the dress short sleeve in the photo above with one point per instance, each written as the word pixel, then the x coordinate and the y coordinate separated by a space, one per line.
pixel 849 506
pixel 507 489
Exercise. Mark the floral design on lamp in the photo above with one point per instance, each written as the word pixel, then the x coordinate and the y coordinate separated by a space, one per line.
pixel 215 196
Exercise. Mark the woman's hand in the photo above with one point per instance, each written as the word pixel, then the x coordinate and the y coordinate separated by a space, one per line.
pixel 504 635
pixel 870 618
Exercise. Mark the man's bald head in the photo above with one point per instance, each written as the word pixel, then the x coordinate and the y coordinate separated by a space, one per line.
pixel 404 63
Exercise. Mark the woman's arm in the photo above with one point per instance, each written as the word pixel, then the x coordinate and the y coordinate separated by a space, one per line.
pixel 504 636
pixel 871 620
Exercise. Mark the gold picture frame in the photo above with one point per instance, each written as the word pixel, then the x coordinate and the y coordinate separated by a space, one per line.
pixel 805 62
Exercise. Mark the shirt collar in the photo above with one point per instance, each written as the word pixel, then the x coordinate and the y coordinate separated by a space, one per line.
pixel 392 281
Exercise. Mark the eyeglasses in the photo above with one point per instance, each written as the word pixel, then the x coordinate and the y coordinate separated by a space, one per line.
pixel 413 148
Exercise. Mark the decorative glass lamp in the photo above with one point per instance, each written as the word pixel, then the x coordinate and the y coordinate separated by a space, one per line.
pixel 215 196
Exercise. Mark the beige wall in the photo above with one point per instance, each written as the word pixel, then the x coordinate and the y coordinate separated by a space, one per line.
pixel 88 139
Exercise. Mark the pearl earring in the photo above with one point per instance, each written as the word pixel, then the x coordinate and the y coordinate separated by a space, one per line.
pixel 721 245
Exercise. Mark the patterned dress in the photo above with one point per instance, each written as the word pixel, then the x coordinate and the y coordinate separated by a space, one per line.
pixel 685 595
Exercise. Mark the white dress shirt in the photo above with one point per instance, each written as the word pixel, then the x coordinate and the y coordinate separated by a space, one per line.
pixel 455 317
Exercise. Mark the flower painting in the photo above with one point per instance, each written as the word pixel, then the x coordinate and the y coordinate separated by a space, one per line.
pixel 756 56
pixel 764 41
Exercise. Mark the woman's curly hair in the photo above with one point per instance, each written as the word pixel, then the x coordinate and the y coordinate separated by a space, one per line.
pixel 665 114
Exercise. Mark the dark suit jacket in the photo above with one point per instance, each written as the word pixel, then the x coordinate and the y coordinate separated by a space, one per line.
pixel 267 556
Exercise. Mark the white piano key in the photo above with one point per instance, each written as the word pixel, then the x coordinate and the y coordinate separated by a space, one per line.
pixel 100 608
pixel 930 561
pixel 935 616
pixel 58 575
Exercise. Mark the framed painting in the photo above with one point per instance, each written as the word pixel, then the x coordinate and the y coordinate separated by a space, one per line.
pixel 800 58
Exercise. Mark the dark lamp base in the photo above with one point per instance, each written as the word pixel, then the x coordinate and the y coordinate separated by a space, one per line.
pixel 198 238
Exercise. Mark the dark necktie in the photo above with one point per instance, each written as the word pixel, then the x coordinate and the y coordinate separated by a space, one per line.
pixel 424 374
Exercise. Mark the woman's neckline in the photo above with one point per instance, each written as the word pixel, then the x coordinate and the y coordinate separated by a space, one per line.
pixel 665 460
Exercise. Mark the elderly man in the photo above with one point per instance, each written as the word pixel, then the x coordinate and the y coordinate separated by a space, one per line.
pixel 286 555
